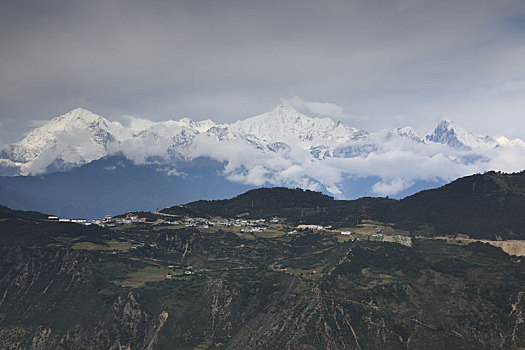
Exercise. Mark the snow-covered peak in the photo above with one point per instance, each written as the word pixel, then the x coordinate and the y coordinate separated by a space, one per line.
pixel 284 123
pixel 200 126
pixel 408 132
pixel 76 137
pixel 447 132
pixel 283 135
pixel 265 125
pixel 80 114
pixel 77 118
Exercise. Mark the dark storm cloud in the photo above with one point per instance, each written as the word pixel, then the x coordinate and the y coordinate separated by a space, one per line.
pixel 384 63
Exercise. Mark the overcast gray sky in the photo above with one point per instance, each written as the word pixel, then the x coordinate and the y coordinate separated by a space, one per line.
pixel 373 64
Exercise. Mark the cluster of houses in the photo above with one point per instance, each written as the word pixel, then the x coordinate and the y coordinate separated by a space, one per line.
pixel 111 221
pixel 246 225
pixel 77 221
pixel 108 220
pixel 349 234
pixel 314 227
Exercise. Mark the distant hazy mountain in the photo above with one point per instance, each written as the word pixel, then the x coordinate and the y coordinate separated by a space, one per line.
pixel 280 148
pixel 113 185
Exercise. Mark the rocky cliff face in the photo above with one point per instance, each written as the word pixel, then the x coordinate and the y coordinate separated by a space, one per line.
pixel 50 301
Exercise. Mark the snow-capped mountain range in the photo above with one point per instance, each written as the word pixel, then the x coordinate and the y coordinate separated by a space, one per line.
pixel 281 147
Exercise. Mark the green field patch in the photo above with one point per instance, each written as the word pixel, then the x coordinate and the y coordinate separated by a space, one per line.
pixel 119 245
pixel 202 346
pixel 375 238
pixel 269 234
pixel 138 278
pixel 122 227
pixel 111 245
pixel 169 227
pixel 311 273
pixel 89 246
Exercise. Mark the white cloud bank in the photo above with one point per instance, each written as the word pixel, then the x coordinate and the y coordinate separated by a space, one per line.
pixel 398 162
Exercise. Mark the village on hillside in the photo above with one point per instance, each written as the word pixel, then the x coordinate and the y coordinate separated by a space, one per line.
pixel 368 230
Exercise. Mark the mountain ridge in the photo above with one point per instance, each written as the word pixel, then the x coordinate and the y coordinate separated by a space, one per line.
pixel 277 125
pixel 279 148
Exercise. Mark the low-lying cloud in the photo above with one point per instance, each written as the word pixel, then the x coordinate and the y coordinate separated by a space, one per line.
pixel 399 163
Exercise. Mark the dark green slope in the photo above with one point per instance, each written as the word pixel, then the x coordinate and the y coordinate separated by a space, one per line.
pixel 114 184
pixel 262 202
pixel 296 205
pixel 6 213
pixel 32 229
pixel 490 205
